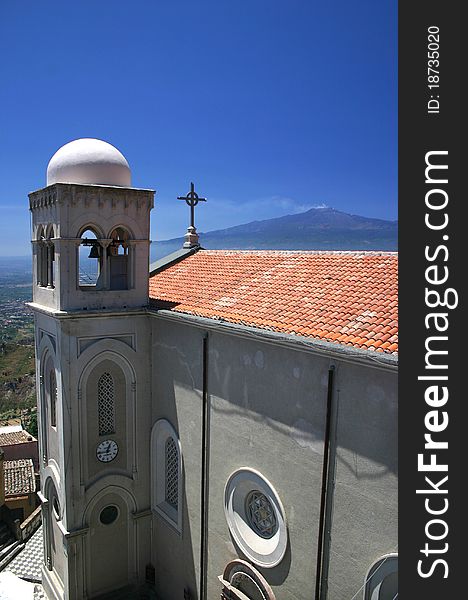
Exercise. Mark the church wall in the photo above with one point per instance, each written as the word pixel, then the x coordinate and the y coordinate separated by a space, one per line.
pixel 177 397
pixel 267 413
pixel 366 488
pixel 267 403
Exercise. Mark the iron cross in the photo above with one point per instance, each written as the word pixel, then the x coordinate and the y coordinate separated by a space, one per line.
pixel 192 199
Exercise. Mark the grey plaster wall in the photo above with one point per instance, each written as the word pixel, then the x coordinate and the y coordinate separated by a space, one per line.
pixel 365 505
pixel 177 397
pixel 267 412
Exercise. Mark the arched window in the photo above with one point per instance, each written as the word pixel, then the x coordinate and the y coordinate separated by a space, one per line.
pixel 53 398
pixel 166 473
pixel 41 258
pixel 118 252
pixel 50 259
pixel 90 260
pixel 40 239
pixel 106 412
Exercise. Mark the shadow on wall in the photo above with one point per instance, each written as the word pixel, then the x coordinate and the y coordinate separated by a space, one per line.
pixel 173 551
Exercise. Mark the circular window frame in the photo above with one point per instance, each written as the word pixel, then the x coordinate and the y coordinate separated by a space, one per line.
pixel 116 516
pixel 264 552
pixel 385 566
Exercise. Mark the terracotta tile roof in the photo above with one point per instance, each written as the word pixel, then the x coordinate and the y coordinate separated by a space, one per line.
pixel 16 437
pixel 19 477
pixel 348 298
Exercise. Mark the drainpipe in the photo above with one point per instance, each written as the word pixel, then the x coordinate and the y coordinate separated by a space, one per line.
pixel 326 502
pixel 205 446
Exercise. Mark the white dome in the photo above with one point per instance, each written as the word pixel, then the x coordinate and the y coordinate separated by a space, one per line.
pixel 89 161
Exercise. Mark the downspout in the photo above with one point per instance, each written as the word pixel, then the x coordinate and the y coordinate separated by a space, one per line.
pixel 205 445
pixel 326 502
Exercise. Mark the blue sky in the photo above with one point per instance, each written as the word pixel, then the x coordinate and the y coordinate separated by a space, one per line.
pixel 269 106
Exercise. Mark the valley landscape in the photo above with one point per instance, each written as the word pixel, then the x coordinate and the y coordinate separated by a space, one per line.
pixel 17 371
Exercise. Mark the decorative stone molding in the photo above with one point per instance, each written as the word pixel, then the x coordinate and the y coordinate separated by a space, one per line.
pixel 90 195
pixel 382 578
pixel 242 582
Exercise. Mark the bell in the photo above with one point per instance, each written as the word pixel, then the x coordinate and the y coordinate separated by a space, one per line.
pixel 94 252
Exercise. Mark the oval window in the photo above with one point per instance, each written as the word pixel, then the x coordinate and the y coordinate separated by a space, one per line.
pixel 109 515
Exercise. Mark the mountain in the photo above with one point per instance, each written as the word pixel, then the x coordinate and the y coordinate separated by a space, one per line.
pixel 315 229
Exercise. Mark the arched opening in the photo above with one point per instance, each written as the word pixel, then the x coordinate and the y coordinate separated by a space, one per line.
pixel 118 253
pixel 90 255
pixel 50 258
pixel 41 258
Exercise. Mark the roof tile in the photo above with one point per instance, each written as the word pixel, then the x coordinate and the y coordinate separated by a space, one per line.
pixel 345 297
pixel 19 477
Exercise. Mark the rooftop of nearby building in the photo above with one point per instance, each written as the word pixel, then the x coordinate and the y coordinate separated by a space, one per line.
pixel 14 434
pixel 19 477
pixel 348 298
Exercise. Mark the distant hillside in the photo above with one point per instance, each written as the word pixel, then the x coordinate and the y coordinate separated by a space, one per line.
pixel 315 229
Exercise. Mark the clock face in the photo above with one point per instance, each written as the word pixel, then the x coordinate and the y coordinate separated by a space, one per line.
pixel 107 450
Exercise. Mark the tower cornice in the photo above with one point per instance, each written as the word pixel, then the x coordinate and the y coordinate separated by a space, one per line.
pixel 88 195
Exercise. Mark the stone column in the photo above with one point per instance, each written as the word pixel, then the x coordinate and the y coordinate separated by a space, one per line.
pixel 103 278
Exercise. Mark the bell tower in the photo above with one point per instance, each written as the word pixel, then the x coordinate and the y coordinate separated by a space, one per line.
pixel 90 239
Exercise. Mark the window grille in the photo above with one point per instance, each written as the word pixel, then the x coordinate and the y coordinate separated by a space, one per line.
pixel 53 399
pixel 172 473
pixel 106 404
pixel 166 473
pixel 261 514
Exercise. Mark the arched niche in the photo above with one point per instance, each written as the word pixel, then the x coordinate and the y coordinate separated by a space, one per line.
pixel 49 404
pixel 54 557
pixel 166 474
pixel 108 516
pixel 102 365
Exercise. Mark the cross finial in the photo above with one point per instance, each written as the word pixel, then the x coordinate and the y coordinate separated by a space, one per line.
pixel 192 199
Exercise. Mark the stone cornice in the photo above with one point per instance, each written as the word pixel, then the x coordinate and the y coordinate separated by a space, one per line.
pixel 74 194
